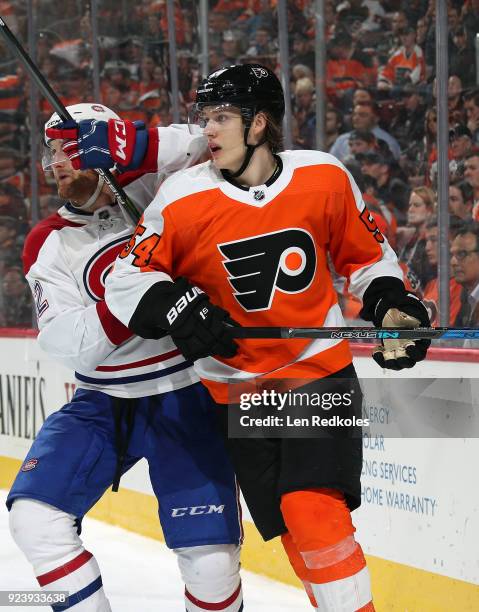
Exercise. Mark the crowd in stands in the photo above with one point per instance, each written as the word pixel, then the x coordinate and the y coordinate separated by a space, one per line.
pixel 380 120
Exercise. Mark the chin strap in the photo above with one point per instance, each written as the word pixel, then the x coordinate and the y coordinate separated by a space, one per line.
pixel 93 198
pixel 250 149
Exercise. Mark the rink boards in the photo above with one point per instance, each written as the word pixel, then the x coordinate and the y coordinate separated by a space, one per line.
pixel 419 521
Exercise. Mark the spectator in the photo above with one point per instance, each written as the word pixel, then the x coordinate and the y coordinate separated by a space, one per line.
pixel 145 75
pixel 361 141
pixel 215 59
pixel 454 100
pixel 11 164
pixel 430 295
pixel 463 58
pixel 471 106
pixel 218 23
pixel 392 41
pixel 11 202
pixel 470 17
pixel 347 68
pixel 333 126
pixel 352 11
pixel 460 140
pixel 406 65
pixel 362 95
pixel 233 8
pixel 299 71
pixel 17 305
pixel 117 74
pixel 465 269
pixel 260 15
pixel 305 111
pixel 411 239
pixel 471 175
pixel 187 73
pixel 9 129
pixel 230 48
pixel 8 234
pixel 364 117
pixel 302 52
pixel 263 46
pixel 379 167
pixel 131 54
pixel 407 124
pixel 461 200
pixel 421 32
pixel 453 19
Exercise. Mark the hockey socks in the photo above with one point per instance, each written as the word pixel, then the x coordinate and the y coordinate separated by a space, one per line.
pixel 234 603
pixel 49 540
pixel 323 552
pixel 211 577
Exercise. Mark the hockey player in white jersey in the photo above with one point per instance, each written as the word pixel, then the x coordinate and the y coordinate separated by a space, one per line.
pixel 135 398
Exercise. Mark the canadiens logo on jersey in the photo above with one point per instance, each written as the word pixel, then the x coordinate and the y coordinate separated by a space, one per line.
pixel 261 265
pixel 99 266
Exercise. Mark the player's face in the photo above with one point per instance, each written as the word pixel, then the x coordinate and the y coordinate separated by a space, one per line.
pixel 75 185
pixel 225 132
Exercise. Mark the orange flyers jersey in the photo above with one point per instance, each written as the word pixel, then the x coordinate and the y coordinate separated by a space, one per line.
pixel 262 254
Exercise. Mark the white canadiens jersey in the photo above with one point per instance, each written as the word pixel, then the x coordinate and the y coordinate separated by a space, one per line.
pixel 67 258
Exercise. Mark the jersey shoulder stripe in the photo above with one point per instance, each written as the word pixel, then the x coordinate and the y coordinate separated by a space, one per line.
pixel 37 237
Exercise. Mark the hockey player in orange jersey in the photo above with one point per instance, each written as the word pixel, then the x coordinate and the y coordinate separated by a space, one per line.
pixel 245 239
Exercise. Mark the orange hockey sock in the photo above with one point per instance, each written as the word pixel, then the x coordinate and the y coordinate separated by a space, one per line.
pixel 297 563
pixel 321 530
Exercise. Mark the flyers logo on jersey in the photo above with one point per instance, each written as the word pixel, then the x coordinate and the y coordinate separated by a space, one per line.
pixel 284 260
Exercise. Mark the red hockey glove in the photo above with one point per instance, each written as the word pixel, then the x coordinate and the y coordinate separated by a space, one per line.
pixel 102 144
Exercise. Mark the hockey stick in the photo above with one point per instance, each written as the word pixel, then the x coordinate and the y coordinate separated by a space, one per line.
pixel 45 88
pixel 360 333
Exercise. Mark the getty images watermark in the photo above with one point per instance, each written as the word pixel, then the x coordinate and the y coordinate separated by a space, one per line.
pixel 303 411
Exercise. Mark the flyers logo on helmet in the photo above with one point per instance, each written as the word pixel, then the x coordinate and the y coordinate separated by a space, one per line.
pixel 259 72
pixel 259 266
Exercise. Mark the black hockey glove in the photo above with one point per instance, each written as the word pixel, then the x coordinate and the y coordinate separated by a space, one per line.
pixel 197 327
pixel 388 304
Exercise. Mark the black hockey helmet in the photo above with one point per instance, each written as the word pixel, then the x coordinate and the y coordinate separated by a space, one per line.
pixel 251 88
pixel 247 86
